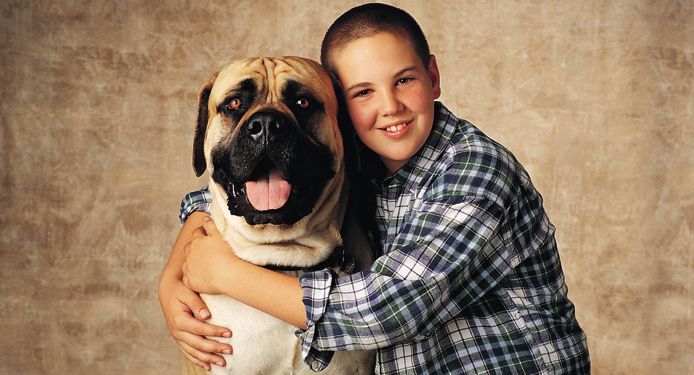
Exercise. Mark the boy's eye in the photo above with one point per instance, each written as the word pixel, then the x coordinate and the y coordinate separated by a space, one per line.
pixel 403 81
pixel 233 104
pixel 362 93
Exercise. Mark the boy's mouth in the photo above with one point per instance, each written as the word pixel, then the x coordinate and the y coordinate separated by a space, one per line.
pixel 397 127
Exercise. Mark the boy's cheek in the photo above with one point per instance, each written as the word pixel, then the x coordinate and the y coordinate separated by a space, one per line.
pixel 359 113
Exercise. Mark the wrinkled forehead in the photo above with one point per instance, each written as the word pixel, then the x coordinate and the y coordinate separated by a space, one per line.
pixel 270 76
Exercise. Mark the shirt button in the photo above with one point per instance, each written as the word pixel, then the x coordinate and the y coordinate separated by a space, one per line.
pixel 315 365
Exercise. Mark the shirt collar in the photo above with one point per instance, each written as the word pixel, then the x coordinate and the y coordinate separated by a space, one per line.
pixel 421 162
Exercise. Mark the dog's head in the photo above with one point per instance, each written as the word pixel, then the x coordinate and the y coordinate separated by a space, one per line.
pixel 267 131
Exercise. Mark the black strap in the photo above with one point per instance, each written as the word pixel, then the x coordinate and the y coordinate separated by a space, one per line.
pixel 337 259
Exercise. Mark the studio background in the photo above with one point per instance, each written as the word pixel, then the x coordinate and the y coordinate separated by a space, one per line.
pixel 98 104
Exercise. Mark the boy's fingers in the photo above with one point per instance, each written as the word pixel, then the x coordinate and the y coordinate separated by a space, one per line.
pixel 210 227
pixel 202 356
pixel 203 344
pixel 194 360
pixel 184 322
pixel 198 232
pixel 204 329
pixel 193 301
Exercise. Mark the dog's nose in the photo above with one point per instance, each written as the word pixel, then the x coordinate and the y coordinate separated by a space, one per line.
pixel 265 126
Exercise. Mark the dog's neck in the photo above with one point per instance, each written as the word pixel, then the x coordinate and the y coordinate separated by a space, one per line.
pixel 339 260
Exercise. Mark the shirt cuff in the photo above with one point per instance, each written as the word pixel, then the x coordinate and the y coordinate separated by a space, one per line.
pixel 199 200
pixel 316 290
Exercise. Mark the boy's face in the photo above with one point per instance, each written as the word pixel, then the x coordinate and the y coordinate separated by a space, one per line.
pixel 389 94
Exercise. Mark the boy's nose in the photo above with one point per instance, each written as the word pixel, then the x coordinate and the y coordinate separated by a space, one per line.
pixel 391 103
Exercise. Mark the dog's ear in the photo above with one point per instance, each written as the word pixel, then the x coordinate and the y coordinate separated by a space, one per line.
pixel 199 162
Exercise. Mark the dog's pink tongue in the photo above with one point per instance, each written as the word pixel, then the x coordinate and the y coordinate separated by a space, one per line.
pixel 269 192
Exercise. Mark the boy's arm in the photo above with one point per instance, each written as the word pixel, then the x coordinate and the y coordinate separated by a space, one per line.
pixel 211 267
pixel 181 306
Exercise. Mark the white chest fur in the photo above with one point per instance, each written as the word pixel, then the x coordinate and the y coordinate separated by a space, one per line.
pixel 263 344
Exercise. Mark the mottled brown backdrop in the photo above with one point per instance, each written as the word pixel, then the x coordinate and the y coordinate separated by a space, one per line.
pixel 98 100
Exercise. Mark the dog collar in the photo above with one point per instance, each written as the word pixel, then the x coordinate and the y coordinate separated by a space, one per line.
pixel 338 259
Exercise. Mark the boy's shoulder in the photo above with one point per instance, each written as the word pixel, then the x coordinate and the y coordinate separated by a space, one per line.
pixel 472 163
pixel 469 147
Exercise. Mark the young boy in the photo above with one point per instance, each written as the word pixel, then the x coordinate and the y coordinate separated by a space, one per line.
pixel 470 279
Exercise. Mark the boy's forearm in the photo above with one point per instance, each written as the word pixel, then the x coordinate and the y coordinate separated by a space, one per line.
pixel 272 292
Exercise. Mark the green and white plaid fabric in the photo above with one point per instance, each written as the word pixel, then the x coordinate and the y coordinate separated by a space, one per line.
pixel 470 279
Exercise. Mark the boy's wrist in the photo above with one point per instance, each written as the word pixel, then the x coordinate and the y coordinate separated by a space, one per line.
pixel 232 273
pixel 227 275
pixel 168 281
pixel 170 274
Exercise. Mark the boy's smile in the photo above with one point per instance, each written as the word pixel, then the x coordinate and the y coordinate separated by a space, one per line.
pixel 390 95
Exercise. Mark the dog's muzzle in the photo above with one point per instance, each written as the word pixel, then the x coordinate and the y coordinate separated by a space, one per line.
pixel 271 171
pixel 264 127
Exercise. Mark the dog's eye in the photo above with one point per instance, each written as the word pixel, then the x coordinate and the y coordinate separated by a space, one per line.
pixel 233 104
pixel 303 103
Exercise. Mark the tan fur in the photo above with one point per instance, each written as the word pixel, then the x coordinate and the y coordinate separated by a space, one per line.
pixel 269 344
pixel 315 235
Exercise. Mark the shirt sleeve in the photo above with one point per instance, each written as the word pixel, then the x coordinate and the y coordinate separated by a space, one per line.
pixel 198 200
pixel 451 252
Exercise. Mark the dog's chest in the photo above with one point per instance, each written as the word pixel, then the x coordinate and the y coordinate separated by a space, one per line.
pixel 262 344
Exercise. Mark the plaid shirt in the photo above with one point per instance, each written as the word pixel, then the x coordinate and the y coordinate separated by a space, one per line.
pixel 470 280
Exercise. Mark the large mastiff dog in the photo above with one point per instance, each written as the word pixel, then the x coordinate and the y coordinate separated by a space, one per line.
pixel 267 132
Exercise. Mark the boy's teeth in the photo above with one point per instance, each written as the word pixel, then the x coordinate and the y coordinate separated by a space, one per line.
pixel 395 128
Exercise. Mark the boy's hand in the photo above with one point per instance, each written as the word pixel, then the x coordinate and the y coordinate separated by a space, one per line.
pixel 185 311
pixel 188 329
pixel 208 259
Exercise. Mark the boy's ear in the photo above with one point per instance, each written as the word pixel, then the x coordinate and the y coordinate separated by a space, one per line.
pixel 433 69
pixel 199 162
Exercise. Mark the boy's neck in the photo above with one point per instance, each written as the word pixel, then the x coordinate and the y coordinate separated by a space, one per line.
pixel 393 166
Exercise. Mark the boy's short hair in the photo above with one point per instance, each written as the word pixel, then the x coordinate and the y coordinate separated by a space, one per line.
pixel 367 20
